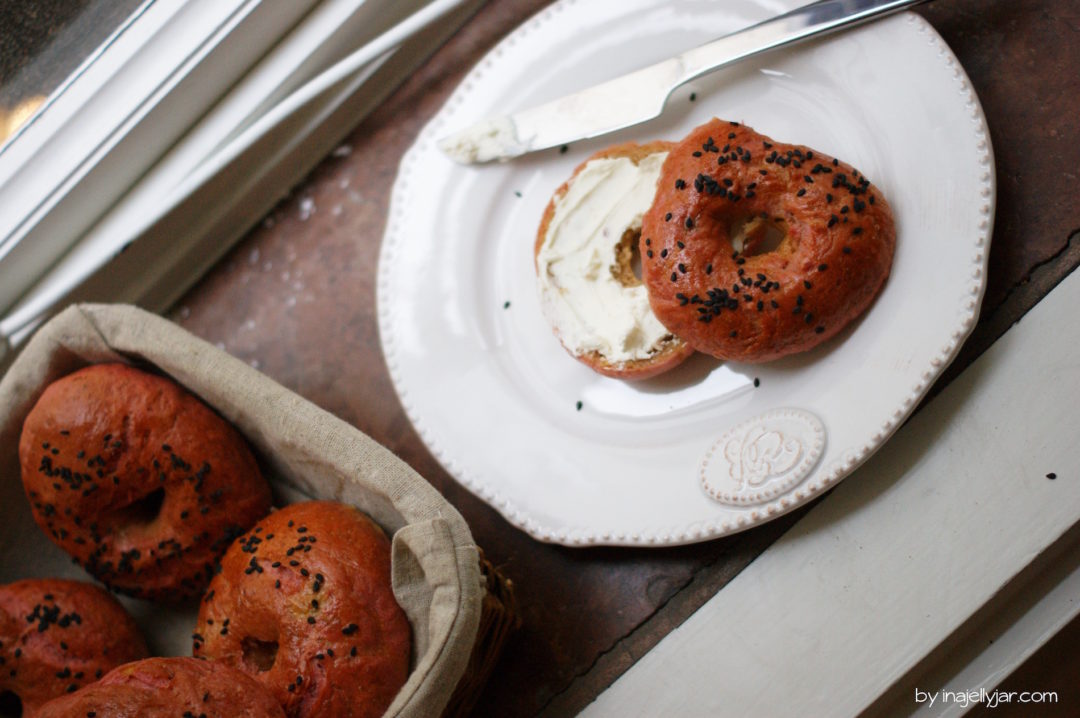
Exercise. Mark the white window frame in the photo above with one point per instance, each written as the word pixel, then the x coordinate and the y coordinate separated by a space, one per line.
pixel 131 147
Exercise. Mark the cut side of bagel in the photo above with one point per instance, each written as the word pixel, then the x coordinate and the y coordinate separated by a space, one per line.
pixel 588 267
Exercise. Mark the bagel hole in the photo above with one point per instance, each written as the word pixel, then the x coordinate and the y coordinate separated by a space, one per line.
pixel 141 511
pixel 10 705
pixel 627 266
pixel 259 655
pixel 757 235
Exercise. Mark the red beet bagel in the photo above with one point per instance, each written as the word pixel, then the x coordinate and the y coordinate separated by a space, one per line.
pixel 143 484
pixel 304 604
pixel 57 636
pixel 715 281
pixel 168 688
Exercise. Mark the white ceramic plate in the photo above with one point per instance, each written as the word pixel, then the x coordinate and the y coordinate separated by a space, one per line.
pixel 579 459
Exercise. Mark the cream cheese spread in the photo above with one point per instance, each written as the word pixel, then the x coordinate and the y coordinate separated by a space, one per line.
pixel 590 309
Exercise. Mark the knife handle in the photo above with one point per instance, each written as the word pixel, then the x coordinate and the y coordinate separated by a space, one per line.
pixel 811 20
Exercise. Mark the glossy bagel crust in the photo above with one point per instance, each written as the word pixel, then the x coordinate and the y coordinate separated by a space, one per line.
pixel 673 351
pixel 168 688
pixel 143 484
pixel 304 605
pixel 58 635
pixel 725 185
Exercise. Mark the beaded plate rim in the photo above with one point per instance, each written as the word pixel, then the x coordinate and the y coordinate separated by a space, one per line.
pixel 825 476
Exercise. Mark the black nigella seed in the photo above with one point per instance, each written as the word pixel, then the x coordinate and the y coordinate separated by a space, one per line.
pixel 1051 476
pixel 667 217
pixel 563 149
pixel 680 184
pixel 663 253
pixel 649 254
pixel 689 223
pixel 819 329
pixel 578 406
pixel 806 283
pixel 846 250
pixel 822 267
pixel 801 192
pixel 708 269
pixel 857 230
pixel 674 276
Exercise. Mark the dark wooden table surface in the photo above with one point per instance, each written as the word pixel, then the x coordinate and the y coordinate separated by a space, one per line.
pixel 296 299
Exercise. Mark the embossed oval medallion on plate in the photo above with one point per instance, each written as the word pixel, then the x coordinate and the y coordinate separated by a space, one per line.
pixel 763 457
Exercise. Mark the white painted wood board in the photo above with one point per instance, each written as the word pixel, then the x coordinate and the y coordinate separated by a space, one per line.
pixel 900 556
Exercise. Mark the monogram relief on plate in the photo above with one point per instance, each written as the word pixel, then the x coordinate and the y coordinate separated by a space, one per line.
pixel 763 457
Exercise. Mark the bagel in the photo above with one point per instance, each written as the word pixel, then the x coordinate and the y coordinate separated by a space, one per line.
pixel 143 484
pixel 168 688
pixel 57 636
pixel 761 249
pixel 584 257
pixel 304 604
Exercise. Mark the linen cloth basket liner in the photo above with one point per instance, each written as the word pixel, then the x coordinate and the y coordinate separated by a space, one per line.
pixel 436 568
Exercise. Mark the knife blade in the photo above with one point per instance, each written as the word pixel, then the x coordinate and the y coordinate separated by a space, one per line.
pixel 641 95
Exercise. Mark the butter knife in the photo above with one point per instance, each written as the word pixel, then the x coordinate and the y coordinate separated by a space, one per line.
pixel 640 95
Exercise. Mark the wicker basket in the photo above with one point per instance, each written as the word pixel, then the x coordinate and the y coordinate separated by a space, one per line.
pixel 498 619
pixel 460 607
